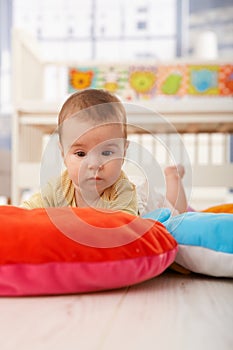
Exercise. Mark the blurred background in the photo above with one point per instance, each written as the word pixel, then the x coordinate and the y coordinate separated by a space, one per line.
pixel 109 31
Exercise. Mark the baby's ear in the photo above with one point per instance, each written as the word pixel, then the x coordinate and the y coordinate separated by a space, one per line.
pixel 126 145
pixel 61 149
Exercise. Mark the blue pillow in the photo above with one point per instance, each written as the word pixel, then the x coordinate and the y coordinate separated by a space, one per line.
pixel 205 242
pixel 161 214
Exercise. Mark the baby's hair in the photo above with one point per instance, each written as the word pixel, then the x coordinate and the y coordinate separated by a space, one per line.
pixel 108 108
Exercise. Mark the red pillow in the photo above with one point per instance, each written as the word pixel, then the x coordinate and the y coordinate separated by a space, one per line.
pixel 72 250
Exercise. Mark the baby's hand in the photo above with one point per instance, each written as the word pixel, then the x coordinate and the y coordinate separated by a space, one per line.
pixel 175 170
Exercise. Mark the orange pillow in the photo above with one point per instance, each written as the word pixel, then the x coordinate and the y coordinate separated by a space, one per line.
pixel 71 250
pixel 221 208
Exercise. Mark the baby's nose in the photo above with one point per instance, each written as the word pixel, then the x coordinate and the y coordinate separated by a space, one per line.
pixel 94 162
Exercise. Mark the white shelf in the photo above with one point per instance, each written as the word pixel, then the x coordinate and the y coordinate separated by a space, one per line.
pixel 199 114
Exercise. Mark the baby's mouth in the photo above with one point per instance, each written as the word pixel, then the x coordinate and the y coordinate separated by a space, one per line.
pixel 95 178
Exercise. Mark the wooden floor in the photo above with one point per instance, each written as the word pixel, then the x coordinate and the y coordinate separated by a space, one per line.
pixel 171 311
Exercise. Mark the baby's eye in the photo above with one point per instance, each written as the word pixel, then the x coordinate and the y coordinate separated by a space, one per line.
pixel 80 154
pixel 107 153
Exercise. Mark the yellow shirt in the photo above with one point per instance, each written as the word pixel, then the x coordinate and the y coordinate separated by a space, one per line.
pixel 61 193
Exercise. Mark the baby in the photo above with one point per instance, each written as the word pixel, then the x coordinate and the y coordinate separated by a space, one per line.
pixel 92 129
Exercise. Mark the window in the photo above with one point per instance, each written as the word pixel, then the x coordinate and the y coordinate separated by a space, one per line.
pixel 101 29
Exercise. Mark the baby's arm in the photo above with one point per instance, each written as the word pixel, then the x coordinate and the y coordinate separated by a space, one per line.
pixel 39 201
pixel 174 187
pixel 123 196
pixel 35 201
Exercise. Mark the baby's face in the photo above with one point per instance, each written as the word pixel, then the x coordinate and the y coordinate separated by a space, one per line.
pixel 95 158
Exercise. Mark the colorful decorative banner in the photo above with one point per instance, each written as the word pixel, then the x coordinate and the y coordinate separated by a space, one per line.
pixel 226 80
pixel 112 78
pixel 203 80
pixel 172 80
pixel 81 78
pixel 142 80
pixel 146 82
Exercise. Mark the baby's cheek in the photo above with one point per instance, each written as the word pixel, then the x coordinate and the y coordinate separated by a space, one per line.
pixel 73 167
pixel 114 168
